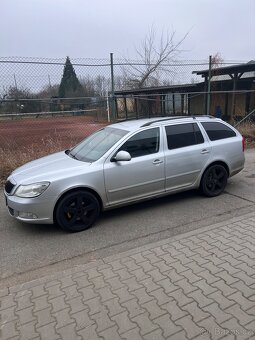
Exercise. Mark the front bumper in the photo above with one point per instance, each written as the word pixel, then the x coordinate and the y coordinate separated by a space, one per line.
pixel 31 210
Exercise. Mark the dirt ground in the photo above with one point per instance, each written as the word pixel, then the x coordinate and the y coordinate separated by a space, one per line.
pixel 25 131
pixel 22 140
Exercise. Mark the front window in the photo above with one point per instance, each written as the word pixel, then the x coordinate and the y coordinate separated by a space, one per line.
pixel 96 145
pixel 143 143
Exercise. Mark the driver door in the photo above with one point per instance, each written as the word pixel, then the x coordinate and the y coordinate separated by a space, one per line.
pixel 142 176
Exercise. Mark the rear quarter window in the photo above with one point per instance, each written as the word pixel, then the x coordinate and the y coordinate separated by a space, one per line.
pixel 216 130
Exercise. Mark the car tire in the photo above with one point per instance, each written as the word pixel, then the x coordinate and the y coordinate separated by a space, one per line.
pixel 77 211
pixel 214 180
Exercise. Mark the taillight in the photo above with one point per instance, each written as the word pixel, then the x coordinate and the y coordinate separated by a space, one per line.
pixel 243 143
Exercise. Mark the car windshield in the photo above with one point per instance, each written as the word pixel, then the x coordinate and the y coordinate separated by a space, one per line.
pixel 97 144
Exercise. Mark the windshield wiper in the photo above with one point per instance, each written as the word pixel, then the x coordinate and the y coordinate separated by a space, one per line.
pixel 68 152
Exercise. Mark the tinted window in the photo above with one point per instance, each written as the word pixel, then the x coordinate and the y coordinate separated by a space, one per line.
pixel 143 143
pixel 179 136
pixel 217 131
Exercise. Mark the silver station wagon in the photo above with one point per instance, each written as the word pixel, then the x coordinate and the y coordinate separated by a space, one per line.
pixel 125 163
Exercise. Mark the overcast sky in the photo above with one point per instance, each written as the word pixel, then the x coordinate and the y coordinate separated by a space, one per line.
pixel 94 28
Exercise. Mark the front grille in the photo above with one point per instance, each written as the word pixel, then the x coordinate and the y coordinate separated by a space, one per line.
pixel 8 187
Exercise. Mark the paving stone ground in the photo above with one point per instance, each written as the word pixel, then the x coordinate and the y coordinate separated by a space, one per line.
pixel 199 285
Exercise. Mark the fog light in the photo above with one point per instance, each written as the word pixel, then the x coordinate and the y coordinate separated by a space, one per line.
pixel 27 215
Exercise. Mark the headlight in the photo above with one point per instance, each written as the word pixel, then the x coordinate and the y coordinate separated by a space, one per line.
pixel 31 190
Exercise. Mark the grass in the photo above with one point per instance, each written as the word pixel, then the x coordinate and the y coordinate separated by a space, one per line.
pixel 13 155
pixel 247 130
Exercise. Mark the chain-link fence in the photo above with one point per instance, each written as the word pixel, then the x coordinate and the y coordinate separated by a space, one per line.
pixel 50 104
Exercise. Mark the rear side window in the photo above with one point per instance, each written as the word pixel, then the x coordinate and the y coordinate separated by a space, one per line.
pixel 179 136
pixel 143 143
pixel 218 131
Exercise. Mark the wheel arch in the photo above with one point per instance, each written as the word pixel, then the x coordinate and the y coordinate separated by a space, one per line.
pixel 74 190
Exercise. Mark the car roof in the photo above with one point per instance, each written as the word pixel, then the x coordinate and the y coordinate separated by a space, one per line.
pixel 136 124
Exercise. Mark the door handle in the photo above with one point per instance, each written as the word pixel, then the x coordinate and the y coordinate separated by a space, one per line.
pixel 204 151
pixel 157 161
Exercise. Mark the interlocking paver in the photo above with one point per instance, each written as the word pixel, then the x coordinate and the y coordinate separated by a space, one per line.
pixel 82 281
pixel 133 334
pixel 48 332
pixel 69 333
pixel 180 297
pixel 133 308
pixel 142 296
pixel 241 300
pixel 147 266
pixel 90 333
pixel 8 330
pixel 209 327
pixel 154 335
pixel 222 301
pixel 27 331
pixel 76 305
pixel 197 313
pixel 232 326
pixel 106 294
pixel 114 307
pixel 174 310
pixel 174 276
pixel 160 296
pixel 123 322
pixel 94 305
pixel 191 328
pixel 63 318
pixel 8 314
pixel 149 285
pixel 200 298
pixel 153 309
pixel 110 334
pixel 144 323
pixel 82 320
pixel 58 303
pixel 167 285
pixel 186 286
pixel 167 325
pixel 123 294
pixel 219 314
pixel 102 320
pixel 243 317
pixel 199 285
pixel 115 283
pixel 25 315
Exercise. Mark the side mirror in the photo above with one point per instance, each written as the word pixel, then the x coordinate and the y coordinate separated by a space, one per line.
pixel 122 156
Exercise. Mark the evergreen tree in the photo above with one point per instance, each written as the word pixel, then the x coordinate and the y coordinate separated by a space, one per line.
pixel 70 85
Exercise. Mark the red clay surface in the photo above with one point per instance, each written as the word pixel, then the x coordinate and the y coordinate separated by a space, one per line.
pixel 27 132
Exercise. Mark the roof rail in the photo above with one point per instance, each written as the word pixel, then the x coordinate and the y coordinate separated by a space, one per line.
pixel 173 118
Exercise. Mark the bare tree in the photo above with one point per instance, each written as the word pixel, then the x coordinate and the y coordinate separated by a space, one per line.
pixel 152 55
pixel 217 60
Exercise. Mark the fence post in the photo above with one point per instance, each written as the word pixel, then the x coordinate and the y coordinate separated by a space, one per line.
pixel 112 88
pixel 209 86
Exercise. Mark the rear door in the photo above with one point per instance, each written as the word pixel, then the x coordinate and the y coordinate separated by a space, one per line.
pixel 186 154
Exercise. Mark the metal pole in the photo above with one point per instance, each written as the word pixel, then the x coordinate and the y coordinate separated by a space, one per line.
pixel 108 108
pixel 112 94
pixel 209 86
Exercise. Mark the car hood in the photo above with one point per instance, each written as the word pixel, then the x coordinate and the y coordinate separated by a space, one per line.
pixel 48 168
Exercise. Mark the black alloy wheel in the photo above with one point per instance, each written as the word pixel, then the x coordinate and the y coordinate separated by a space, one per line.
pixel 77 211
pixel 214 180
